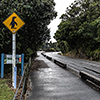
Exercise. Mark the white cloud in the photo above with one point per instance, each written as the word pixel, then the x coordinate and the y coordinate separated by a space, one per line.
pixel 60 7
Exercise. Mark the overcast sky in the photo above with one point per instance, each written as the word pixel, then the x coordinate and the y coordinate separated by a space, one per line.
pixel 60 7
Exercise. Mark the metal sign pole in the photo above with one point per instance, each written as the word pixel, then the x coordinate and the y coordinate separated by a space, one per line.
pixel 13 23
pixel 2 65
pixel 13 56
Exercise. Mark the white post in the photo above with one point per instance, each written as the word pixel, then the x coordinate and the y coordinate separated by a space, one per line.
pixel 13 56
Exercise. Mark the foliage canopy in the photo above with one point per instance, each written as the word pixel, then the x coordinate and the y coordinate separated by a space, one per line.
pixel 80 28
pixel 37 14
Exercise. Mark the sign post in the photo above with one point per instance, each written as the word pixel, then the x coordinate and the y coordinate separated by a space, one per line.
pixel 15 77
pixel 13 56
pixel 2 65
pixel 22 64
pixel 13 23
pixel 7 59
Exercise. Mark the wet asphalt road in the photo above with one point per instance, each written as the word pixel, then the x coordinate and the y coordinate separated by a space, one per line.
pixel 55 83
pixel 92 67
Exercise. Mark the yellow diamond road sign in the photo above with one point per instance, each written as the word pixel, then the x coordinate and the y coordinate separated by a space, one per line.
pixel 13 23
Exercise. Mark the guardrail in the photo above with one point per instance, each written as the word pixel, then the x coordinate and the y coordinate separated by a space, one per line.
pixel 82 74
pixel 24 79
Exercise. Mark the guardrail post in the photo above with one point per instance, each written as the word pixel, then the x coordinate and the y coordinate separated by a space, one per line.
pixel 22 64
pixel 2 65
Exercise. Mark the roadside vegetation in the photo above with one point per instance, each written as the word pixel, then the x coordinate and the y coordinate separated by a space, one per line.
pixel 5 92
pixel 37 15
pixel 79 31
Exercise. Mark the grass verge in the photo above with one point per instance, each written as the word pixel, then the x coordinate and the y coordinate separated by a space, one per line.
pixel 5 92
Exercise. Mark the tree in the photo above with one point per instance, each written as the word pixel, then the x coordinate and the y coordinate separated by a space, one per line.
pixel 36 14
pixel 79 27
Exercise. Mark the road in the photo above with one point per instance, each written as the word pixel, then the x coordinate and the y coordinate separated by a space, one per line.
pixel 56 83
pixel 79 64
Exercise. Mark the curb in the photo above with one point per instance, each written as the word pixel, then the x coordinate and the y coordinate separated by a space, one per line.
pixel 50 58
pixel 43 54
pixel 82 74
pixel 60 63
pixel 65 66
pixel 87 76
pixel 73 70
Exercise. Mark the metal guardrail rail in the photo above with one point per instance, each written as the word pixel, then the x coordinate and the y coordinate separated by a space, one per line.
pixel 23 79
